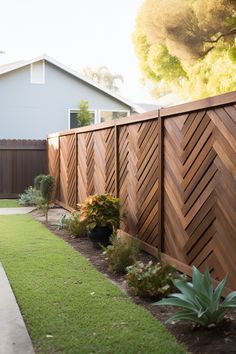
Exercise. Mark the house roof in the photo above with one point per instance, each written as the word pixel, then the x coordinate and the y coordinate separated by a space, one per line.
pixel 19 64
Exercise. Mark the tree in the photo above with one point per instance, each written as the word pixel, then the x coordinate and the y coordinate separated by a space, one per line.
pixel 46 188
pixel 103 76
pixel 83 116
pixel 188 45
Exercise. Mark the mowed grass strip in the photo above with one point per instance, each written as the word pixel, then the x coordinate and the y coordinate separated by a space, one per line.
pixel 68 306
pixel 9 203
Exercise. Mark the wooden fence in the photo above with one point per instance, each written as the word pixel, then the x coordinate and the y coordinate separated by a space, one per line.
pixel 175 172
pixel 20 162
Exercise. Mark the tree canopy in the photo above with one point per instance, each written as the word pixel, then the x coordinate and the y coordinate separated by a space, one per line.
pixel 103 76
pixel 84 116
pixel 188 46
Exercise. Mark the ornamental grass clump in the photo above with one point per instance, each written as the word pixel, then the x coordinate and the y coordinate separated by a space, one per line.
pixel 122 253
pixel 150 280
pixel 198 301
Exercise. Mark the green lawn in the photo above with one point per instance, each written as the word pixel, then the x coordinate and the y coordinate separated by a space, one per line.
pixel 9 203
pixel 69 307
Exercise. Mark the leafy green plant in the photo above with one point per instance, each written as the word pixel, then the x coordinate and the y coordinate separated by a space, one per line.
pixel 30 197
pixel 121 253
pixel 37 181
pixel 198 301
pixel 46 189
pixel 84 116
pixel 75 226
pixel 100 210
pixel 150 280
pixel 62 224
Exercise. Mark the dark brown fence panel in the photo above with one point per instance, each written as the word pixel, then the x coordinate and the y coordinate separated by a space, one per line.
pixel 175 172
pixel 20 162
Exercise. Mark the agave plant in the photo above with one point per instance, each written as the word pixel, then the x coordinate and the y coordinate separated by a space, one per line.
pixel 198 301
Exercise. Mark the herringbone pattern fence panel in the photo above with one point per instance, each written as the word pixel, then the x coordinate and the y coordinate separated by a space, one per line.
pixel 200 190
pixel 147 183
pixel 138 179
pixel 53 162
pixel 128 158
pixel 82 181
pixel 96 163
pixel 68 170
pixel 110 179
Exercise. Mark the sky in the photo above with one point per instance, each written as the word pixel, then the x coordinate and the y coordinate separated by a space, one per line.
pixel 77 33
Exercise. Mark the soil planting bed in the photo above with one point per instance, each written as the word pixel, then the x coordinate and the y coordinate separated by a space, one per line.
pixel 220 340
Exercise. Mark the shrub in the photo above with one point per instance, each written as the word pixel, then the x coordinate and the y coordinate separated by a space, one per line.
pixel 75 226
pixel 46 188
pixel 121 253
pixel 37 181
pixel 31 197
pixel 150 280
pixel 198 301
pixel 100 210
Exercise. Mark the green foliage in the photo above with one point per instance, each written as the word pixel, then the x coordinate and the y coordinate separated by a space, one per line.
pixel 83 116
pixel 104 77
pixel 100 210
pixel 75 226
pixel 122 253
pixel 150 280
pixel 31 197
pixel 198 301
pixel 46 187
pixel 188 46
pixel 37 181
pixel 62 224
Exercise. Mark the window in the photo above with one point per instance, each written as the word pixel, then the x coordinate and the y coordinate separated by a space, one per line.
pixel 73 114
pixel 106 115
pixel 37 72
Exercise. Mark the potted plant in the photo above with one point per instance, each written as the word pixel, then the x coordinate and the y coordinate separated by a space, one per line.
pixel 102 216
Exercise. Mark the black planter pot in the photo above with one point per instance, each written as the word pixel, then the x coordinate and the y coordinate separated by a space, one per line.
pixel 100 236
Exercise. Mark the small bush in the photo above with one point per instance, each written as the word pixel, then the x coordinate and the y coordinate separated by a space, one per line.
pixel 198 301
pixel 121 253
pixel 150 280
pixel 46 189
pixel 75 226
pixel 37 181
pixel 31 197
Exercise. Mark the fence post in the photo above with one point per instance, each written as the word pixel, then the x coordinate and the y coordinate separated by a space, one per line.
pixel 76 168
pixel 160 182
pixel 116 140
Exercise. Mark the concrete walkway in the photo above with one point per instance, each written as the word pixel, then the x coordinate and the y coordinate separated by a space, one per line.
pixel 13 211
pixel 14 338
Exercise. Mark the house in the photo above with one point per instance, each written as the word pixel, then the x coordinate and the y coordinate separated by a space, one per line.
pixel 41 96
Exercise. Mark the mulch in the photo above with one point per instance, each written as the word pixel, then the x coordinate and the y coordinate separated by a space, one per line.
pixel 219 340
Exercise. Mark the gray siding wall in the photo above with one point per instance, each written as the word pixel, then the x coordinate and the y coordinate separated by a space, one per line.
pixel 31 111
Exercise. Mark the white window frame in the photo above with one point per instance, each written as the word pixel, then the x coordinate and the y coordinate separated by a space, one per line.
pixel 31 74
pixel 75 110
pixel 111 110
